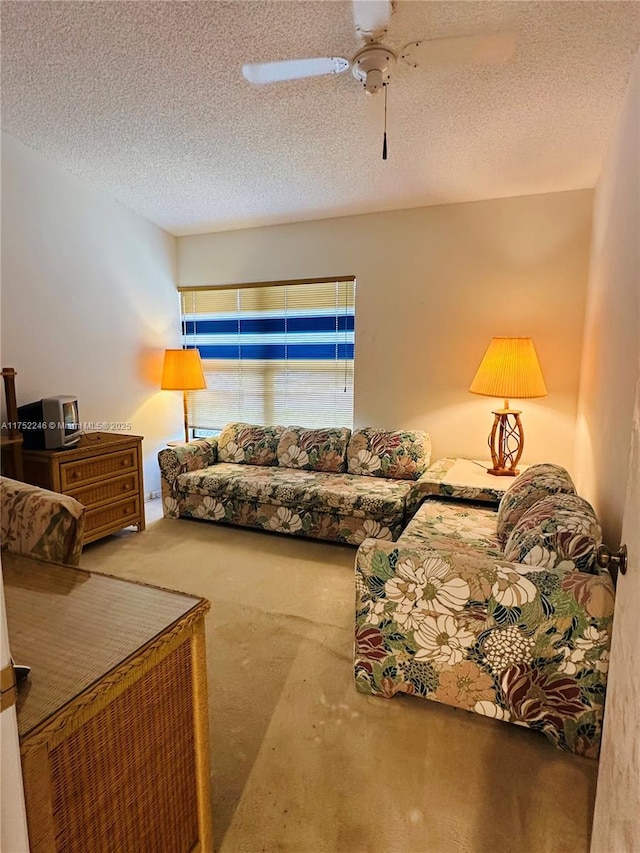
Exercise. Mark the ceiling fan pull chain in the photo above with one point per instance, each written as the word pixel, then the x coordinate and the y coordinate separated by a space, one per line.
pixel 384 137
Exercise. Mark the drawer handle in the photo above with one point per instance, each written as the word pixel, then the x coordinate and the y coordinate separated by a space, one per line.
pixel 125 487
pixel 124 462
pixel 75 475
pixel 125 511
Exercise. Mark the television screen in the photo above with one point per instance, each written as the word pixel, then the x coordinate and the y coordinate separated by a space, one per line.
pixel 70 417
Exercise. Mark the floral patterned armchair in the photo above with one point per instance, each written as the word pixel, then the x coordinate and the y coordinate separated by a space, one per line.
pixel 40 523
pixel 505 614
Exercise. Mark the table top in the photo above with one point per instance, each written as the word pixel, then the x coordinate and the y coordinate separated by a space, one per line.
pixel 467 479
pixel 87 444
pixel 72 627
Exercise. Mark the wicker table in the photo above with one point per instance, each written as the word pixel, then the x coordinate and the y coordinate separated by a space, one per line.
pixel 113 718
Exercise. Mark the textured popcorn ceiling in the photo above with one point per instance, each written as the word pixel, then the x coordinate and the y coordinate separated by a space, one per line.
pixel 146 100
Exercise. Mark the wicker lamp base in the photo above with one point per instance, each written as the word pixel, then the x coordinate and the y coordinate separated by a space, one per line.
pixel 506 443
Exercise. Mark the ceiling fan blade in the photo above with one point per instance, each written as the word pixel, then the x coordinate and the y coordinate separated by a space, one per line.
pixel 293 69
pixel 371 17
pixel 494 49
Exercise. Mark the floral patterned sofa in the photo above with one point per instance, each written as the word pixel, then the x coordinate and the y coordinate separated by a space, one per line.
pixel 503 613
pixel 323 483
pixel 40 523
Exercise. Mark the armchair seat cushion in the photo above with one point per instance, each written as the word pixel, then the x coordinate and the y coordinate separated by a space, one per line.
pixel 450 526
pixel 341 494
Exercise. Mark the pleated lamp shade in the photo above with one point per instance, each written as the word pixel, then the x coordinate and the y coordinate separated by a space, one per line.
pixel 509 369
pixel 182 371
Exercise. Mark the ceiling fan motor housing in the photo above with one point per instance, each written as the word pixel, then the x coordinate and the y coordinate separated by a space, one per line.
pixel 372 67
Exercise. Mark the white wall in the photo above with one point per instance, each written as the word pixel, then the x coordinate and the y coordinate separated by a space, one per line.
pixel 88 300
pixel 89 303
pixel 608 460
pixel 434 285
pixel 612 324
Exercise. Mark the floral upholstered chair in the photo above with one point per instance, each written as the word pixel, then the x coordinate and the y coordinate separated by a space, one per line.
pixel 39 523
pixel 507 615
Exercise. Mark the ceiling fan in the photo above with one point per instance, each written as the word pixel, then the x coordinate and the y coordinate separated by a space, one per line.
pixel 373 63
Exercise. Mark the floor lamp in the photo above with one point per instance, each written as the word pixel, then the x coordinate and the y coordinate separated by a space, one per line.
pixel 509 369
pixel 182 371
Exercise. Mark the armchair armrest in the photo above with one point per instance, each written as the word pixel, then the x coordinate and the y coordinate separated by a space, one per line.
pixel 193 456
pixel 507 640
pixel 39 523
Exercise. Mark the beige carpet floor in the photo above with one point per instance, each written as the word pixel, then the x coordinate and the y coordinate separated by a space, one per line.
pixel 300 761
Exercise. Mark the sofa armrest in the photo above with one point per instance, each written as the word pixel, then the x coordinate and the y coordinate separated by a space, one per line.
pixel 193 456
pixel 422 488
pixel 39 523
pixel 507 640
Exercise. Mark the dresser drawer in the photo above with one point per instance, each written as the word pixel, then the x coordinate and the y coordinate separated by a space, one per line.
pixel 115 515
pixel 107 491
pixel 74 474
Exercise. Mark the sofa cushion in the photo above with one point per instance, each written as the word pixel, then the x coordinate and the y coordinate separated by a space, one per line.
pixel 343 494
pixel 532 485
pixel 314 449
pixel 453 527
pixel 398 455
pixel 559 529
pixel 248 444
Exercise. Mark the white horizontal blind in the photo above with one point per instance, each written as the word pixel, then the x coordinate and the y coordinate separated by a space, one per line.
pixel 272 354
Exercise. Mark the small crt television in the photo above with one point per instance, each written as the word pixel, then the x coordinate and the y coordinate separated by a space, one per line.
pixel 50 424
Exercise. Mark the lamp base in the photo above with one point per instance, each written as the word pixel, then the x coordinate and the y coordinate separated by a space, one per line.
pixel 506 443
pixel 503 472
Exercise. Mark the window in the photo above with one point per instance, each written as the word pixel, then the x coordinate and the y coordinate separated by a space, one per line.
pixel 272 353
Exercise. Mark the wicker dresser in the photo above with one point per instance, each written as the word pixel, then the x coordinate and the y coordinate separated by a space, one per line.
pixel 103 471
pixel 113 719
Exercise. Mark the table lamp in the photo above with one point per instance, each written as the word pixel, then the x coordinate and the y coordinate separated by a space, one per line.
pixel 509 368
pixel 182 371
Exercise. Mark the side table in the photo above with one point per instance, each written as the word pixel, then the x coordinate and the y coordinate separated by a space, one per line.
pixel 464 479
